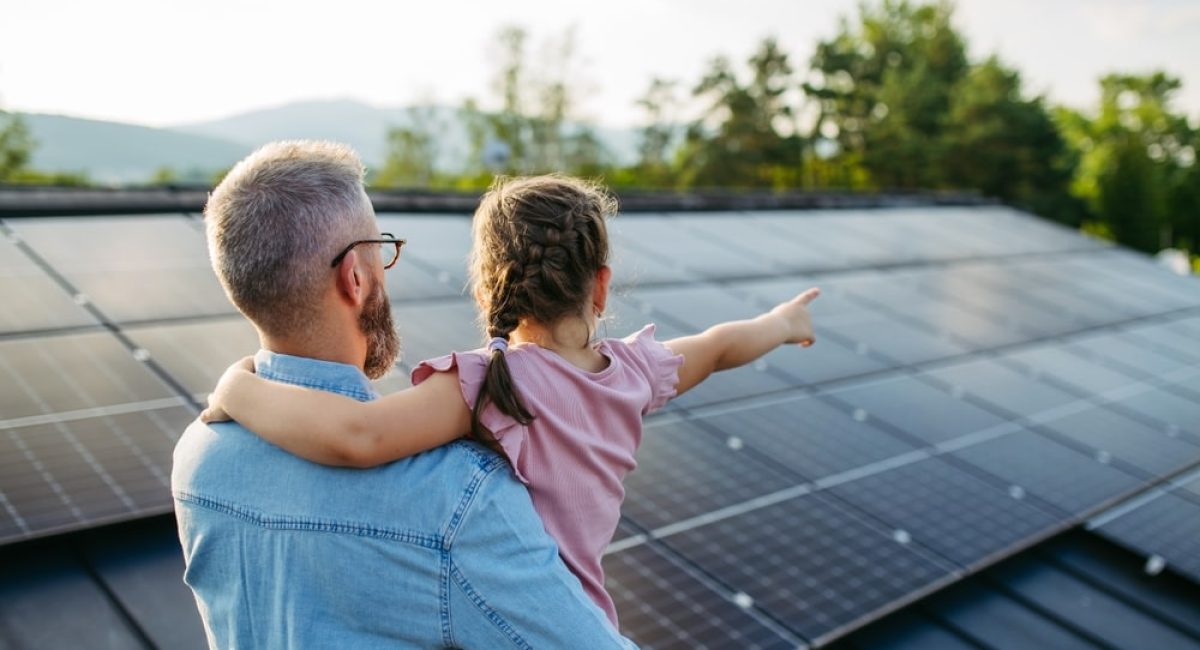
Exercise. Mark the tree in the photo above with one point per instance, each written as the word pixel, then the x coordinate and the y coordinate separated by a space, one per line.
pixel 746 135
pixel 412 151
pixel 884 87
pixel 1137 168
pixel 1005 146
pixel 16 146
pixel 657 138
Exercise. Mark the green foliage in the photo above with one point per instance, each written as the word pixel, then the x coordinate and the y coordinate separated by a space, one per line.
pixel 1138 172
pixel 746 136
pixel 883 87
pixel 412 151
pixel 1005 146
pixel 16 147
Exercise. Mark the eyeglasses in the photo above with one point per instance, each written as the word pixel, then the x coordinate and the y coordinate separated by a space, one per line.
pixel 388 254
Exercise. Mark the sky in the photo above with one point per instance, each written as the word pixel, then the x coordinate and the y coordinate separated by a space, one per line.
pixel 163 63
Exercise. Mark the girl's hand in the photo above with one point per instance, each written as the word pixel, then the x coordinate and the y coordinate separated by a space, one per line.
pixel 216 411
pixel 798 321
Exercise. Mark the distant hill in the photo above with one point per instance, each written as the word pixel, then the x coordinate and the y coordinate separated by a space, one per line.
pixel 116 153
pixel 365 128
pixel 359 125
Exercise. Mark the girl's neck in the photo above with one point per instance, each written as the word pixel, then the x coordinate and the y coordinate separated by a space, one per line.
pixel 569 338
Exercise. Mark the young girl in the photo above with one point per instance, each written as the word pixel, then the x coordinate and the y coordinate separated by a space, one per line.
pixel 566 410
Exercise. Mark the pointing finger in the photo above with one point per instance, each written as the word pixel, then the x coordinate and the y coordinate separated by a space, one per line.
pixel 809 295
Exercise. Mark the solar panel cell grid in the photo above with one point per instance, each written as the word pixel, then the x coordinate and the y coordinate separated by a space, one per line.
pixel 1083 375
pixel 811 437
pixel 662 605
pixel 1167 526
pixel 1121 351
pixel 896 340
pixel 72 474
pixel 164 257
pixel 702 257
pixel 945 509
pixel 785 253
pixel 996 384
pixel 65 373
pixel 683 471
pixel 1169 412
pixel 1066 478
pixel 809 563
pixel 1111 435
pixel 922 411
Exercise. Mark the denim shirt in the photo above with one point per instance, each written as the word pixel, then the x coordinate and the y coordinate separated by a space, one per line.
pixel 442 549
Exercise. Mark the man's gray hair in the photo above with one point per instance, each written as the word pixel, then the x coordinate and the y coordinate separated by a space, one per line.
pixel 277 220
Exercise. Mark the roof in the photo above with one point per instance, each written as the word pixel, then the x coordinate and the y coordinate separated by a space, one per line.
pixel 985 385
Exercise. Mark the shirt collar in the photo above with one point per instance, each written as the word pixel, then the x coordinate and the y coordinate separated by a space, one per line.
pixel 329 376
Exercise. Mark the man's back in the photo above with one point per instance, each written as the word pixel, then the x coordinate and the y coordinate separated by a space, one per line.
pixel 441 549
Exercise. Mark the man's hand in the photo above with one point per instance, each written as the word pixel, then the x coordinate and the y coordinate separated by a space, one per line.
pixel 798 321
pixel 215 411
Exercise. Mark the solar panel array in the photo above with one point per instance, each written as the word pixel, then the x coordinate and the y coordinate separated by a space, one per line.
pixel 982 380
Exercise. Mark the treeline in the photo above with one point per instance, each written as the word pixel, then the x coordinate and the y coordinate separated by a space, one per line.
pixel 891 102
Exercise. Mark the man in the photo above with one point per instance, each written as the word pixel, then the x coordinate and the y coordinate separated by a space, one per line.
pixel 442 549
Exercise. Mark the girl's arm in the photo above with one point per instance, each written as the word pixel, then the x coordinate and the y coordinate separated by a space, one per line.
pixel 333 429
pixel 736 343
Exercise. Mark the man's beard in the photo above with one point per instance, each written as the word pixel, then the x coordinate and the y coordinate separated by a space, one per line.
pixel 383 343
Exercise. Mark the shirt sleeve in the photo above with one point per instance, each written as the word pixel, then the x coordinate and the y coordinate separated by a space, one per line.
pixel 472 369
pixel 661 366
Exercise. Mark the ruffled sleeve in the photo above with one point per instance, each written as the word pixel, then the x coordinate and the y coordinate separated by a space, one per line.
pixel 472 368
pixel 661 366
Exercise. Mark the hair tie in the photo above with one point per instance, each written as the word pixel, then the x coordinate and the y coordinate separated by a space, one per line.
pixel 498 343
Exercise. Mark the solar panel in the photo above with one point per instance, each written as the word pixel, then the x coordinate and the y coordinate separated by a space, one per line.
pixel 438 243
pixel 946 509
pixel 845 245
pixel 1068 479
pixel 1166 526
pixel 32 299
pixel 811 437
pixel 1111 435
pixel 1000 385
pixel 1120 352
pixel 164 257
pixel 662 604
pixel 809 563
pixel 702 256
pixel 429 330
pixel 764 512
pixel 682 473
pixel 785 253
pixel 898 341
pixel 926 413
pixel 1064 368
pixel 72 372
pixel 62 474
pixel 196 353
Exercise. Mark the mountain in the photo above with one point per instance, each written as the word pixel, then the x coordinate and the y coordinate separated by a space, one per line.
pixel 365 128
pixel 359 125
pixel 117 153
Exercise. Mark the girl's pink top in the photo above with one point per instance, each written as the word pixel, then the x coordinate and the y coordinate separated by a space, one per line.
pixel 580 445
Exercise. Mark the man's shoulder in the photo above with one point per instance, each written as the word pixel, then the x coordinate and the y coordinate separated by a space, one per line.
pixel 224 463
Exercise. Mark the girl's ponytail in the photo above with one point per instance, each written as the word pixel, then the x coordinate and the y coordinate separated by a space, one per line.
pixel 497 388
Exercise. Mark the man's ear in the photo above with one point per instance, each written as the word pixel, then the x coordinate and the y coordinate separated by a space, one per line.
pixel 600 289
pixel 351 283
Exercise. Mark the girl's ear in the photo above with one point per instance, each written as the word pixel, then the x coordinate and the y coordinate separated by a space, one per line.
pixel 600 289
